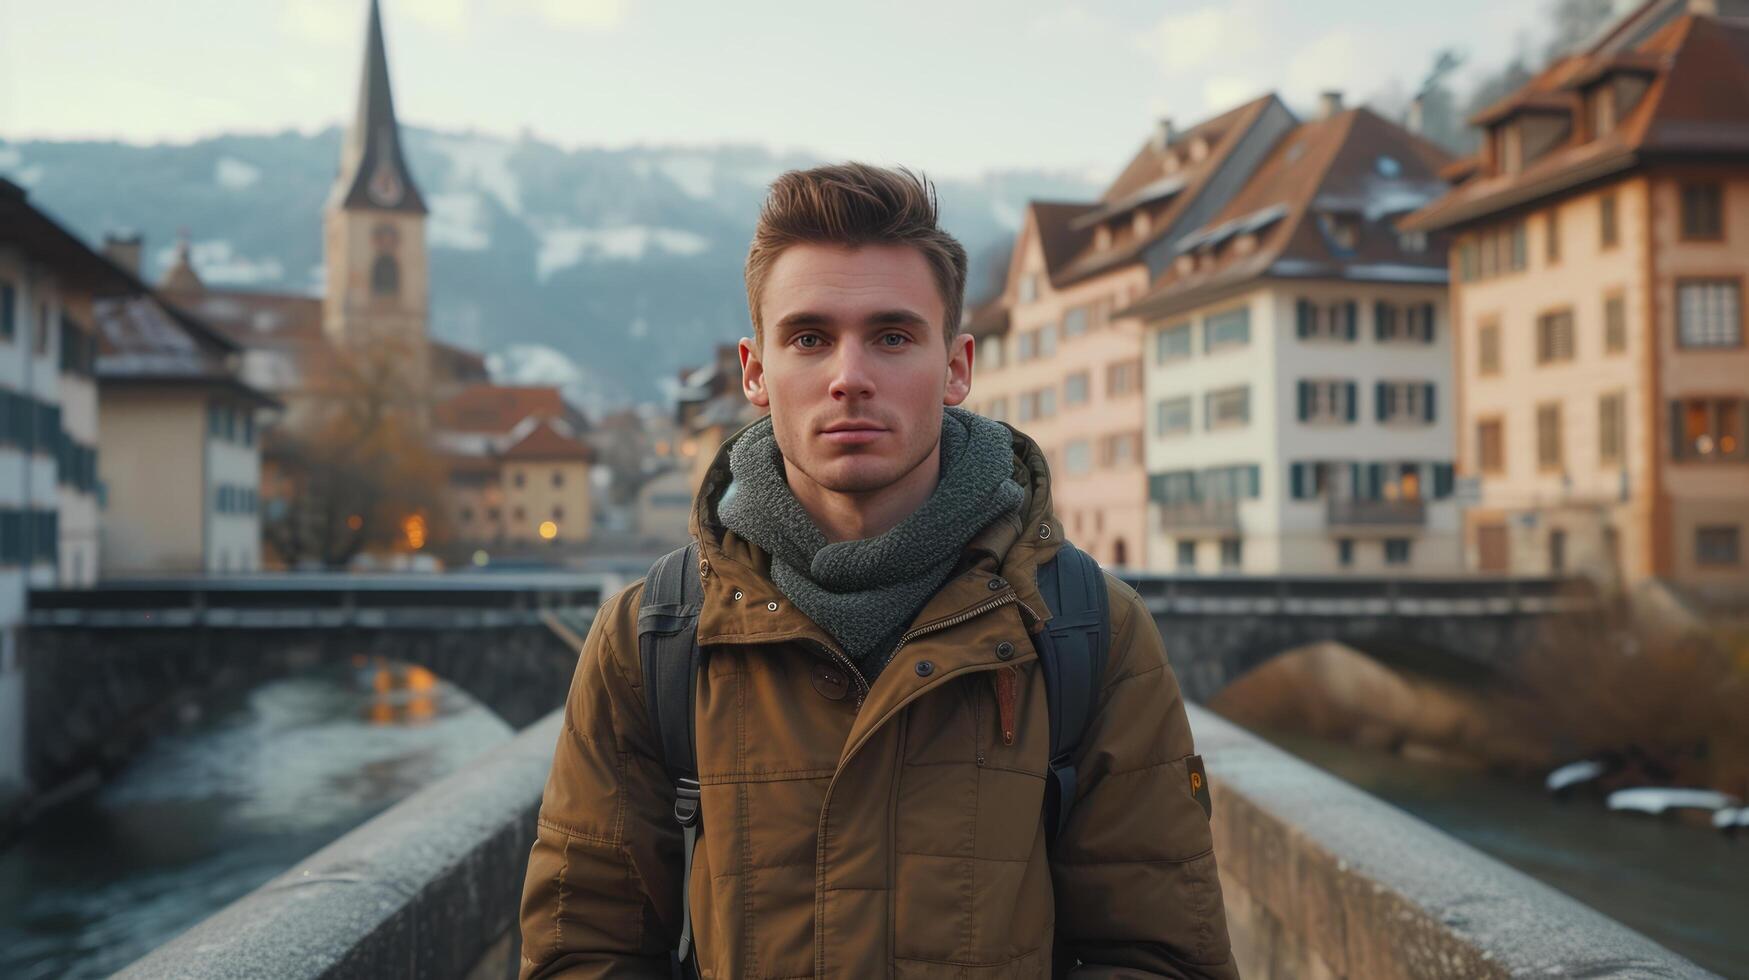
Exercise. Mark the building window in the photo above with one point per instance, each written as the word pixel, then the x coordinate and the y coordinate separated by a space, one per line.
pixel 518 479
pixel 1345 552
pixel 1554 337
pixel 1172 343
pixel 998 409
pixel 1029 287
pixel 1611 416
pixel 492 514
pixel 1229 329
pixel 1557 551
pixel 1703 212
pixel 517 514
pixel 1047 402
pixel 1615 324
pixel 1172 416
pixel 385 276
pixel 1078 457
pixel 8 311
pixel 466 514
pixel 558 479
pixel 1552 237
pixel 1120 449
pixel 1343 230
pixel 1397 551
pixel 1075 322
pixel 1047 340
pixel 1187 556
pixel 1232 554
pixel 1404 401
pixel 1028 409
pixel 558 513
pixel 1025 346
pixel 1548 436
pixel 1491 446
pixel 1331 321
pixel 990 352
pixel 1412 242
pixel 1075 389
pixel 1607 230
pixel 1709 429
pixel 1719 544
pixel 1410 322
pixel 1709 313
pixel 1488 348
pixel 1327 401
pixel 1123 378
pixel 1227 407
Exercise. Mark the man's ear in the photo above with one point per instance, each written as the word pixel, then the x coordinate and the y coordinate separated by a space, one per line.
pixel 753 375
pixel 959 369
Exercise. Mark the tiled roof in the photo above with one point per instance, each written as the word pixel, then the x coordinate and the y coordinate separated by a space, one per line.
pixel 988 318
pixel 290 353
pixel 545 442
pixel 1697 104
pixel 1357 166
pixel 71 261
pixel 496 409
pixel 142 341
pixel 1147 183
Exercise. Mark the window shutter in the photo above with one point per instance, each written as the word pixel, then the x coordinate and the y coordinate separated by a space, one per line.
pixel 1297 474
pixel 1427 400
pixel 1375 480
pixel 1353 398
pixel 1305 400
pixel 1428 326
pixel 1350 308
pixel 1355 490
pixel 1303 317
pixel 1379 391
pixel 1381 312
pixel 1442 480
pixel 1254 479
pixel 1677 449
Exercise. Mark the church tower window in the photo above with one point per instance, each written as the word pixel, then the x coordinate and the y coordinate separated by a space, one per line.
pixel 385 276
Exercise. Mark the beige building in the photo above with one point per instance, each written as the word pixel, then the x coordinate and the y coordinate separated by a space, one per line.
pixel 180 461
pixel 1599 264
pixel 1298 368
pixel 1054 361
pixel 518 469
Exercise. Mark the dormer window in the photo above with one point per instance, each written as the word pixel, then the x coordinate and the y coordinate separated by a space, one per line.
pixel 1603 115
pixel 1412 242
pixel 1343 230
pixel 1245 244
pixel 1509 147
pixel 1186 264
pixel 1199 148
pixel 1141 223
pixel 1102 238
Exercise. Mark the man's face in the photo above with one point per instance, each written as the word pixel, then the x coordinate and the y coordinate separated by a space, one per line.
pixel 852 365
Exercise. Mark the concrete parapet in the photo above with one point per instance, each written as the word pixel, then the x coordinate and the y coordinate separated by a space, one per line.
pixel 1324 880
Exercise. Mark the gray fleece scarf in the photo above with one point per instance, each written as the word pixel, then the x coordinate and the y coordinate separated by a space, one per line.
pixel 864 593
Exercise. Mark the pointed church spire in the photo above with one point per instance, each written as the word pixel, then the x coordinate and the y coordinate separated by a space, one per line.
pixel 181 277
pixel 373 170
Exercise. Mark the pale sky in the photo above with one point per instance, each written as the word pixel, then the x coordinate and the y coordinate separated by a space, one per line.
pixel 954 86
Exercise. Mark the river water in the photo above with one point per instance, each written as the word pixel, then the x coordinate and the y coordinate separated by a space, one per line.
pixel 202 817
pixel 1684 886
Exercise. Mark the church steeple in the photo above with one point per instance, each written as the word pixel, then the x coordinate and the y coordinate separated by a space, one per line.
pixel 373 170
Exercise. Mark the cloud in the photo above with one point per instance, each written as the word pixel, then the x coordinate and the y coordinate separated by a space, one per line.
pixel 327 22
pixel 1221 92
pixel 1203 37
pixel 1331 61
pixel 448 16
pixel 588 15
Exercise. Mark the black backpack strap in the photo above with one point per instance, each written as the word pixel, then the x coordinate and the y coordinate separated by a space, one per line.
pixel 668 654
pixel 1072 652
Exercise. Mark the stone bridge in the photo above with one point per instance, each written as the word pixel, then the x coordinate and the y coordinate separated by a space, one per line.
pixel 106 667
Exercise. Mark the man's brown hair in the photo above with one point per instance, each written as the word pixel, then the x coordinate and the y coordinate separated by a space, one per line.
pixel 854 204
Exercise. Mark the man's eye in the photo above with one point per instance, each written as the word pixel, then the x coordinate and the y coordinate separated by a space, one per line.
pixel 808 341
pixel 893 339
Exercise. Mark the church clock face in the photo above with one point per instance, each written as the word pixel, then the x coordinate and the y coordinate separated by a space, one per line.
pixel 385 188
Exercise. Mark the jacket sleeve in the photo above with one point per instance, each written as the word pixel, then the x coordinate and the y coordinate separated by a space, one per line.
pixel 604 873
pixel 1137 893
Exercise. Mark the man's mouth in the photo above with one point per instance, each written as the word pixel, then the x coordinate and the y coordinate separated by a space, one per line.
pixel 853 432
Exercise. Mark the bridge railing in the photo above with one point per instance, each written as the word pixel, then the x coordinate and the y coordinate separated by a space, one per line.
pixel 1320 880
pixel 1348 594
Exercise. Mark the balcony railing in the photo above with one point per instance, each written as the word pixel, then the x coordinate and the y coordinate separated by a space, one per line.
pixel 1348 512
pixel 1200 515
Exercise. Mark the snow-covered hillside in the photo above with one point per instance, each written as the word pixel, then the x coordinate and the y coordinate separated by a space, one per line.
pixel 619 265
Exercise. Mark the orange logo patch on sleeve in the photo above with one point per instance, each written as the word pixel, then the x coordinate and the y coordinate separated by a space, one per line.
pixel 1199 784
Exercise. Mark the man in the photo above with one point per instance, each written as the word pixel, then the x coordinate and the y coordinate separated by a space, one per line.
pixel 871 728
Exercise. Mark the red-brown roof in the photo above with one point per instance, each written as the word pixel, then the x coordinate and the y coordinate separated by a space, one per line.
pixel 544 442
pixel 988 318
pixel 1146 183
pixel 1697 105
pixel 496 409
pixel 286 328
pixel 1356 166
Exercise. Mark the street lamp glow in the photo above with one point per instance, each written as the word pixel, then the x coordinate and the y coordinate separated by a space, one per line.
pixel 549 530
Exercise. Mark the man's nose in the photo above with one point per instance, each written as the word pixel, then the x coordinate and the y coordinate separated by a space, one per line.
pixel 851 377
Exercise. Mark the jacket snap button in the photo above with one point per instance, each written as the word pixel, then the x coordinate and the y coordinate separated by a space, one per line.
pixel 830 683
pixel 925 668
pixel 737 595
pixel 771 606
pixel 1004 650
pixel 996 583
pixel 1044 530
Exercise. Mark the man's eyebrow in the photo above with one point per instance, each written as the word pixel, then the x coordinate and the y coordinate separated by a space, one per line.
pixel 899 317
pixel 802 318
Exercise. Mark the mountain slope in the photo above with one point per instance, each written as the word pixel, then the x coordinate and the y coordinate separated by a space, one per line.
pixel 624 262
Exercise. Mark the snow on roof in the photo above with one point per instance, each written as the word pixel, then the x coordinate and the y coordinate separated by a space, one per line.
pixel 1657 799
pixel 1246 223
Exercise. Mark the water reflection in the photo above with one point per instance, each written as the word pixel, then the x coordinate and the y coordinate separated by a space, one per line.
pixel 202 817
